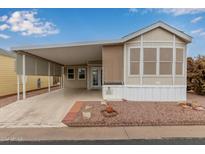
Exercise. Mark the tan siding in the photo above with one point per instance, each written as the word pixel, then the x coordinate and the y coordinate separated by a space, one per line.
pixel 75 83
pixel 113 64
pixel 158 34
pixel 8 78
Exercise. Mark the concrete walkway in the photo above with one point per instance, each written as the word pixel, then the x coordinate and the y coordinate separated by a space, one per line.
pixel 101 133
pixel 45 110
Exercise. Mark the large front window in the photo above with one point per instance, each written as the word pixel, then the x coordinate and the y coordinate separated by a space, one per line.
pixel 150 61
pixel 166 58
pixel 134 61
pixel 179 61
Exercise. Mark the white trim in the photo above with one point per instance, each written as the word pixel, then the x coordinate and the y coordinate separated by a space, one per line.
pixel 85 73
pixel 24 76
pixel 73 73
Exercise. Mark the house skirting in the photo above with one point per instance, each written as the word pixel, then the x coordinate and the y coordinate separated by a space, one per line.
pixel 144 93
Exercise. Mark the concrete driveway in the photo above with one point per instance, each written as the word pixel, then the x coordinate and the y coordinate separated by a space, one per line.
pixel 45 110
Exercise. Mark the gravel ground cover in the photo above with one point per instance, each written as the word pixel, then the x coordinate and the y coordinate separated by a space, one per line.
pixel 138 114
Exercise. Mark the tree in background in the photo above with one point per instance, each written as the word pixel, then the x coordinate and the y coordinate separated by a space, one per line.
pixel 196 74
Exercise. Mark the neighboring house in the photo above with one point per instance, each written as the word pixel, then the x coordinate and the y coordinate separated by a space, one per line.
pixel 147 65
pixel 8 77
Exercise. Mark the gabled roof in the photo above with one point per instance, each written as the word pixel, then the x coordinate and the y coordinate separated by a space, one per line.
pixel 161 24
pixel 7 53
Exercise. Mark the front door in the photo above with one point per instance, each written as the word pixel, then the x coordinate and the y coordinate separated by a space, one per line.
pixel 96 77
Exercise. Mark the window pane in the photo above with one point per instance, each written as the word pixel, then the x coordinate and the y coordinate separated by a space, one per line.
pixel 165 68
pixel 134 68
pixel 71 70
pixel 179 54
pixel 179 68
pixel 81 73
pixel 134 54
pixel 70 76
pixel 166 54
pixel 150 54
pixel 149 68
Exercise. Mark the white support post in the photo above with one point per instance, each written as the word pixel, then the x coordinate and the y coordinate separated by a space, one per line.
pixel 174 60
pixel 18 88
pixel 24 77
pixel 141 59
pixel 62 77
pixel 49 75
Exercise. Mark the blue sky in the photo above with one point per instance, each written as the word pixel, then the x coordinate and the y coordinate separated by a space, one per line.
pixel 47 26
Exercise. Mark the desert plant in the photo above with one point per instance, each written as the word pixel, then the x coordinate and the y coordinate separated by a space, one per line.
pixel 199 75
pixel 196 74
pixel 190 73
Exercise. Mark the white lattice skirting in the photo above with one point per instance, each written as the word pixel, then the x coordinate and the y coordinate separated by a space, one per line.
pixel 144 93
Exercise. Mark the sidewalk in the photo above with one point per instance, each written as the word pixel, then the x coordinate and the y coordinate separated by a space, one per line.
pixel 101 133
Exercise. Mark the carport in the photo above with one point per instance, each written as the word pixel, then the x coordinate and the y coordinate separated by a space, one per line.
pixel 52 60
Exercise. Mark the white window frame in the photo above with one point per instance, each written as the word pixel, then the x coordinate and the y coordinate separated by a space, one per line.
pixel 73 73
pixel 183 63
pixel 79 74
pixel 165 75
pixel 157 63
pixel 129 61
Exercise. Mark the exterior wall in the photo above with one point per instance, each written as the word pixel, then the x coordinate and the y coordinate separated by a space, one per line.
pixel 157 87
pixel 113 64
pixel 8 78
pixel 75 83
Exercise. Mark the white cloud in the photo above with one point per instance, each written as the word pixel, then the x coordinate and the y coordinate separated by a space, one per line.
pixel 181 11
pixel 27 23
pixel 197 19
pixel 171 11
pixel 4 27
pixel 3 18
pixel 133 10
pixel 3 36
pixel 197 31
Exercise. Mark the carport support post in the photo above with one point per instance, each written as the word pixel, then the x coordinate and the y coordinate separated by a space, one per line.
pixel 62 77
pixel 18 88
pixel 49 74
pixel 24 77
